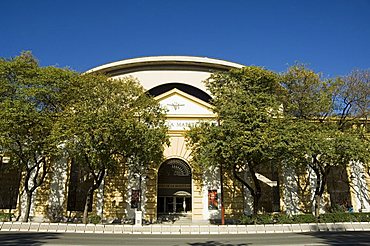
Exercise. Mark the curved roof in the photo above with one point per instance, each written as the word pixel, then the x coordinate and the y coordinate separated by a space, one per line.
pixel 176 62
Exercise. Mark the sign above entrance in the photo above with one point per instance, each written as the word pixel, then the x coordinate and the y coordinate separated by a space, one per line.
pixel 174 186
pixel 180 124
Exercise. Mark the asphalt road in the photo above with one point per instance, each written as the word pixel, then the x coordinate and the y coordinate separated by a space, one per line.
pixel 319 238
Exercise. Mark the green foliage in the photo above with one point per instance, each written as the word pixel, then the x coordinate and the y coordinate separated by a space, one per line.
pixel 309 138
pixel 277 219
pixel 46 111
pixel 256 219
pixel 110 119
pixel 55 213
pixel 352 100
pixel 31 98
pixel 337 217
pixel 336 208
pixel 253 129
pixel 4 217
pixel 362 217
pixel 111 122
pixel 246 102
pixel 304 218
pixel 307 95
pixel 94 219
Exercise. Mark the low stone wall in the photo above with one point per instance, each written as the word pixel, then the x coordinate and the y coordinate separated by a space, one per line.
pixel 182 229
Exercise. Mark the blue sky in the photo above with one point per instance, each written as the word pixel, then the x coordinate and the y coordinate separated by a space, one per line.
pixel 332 36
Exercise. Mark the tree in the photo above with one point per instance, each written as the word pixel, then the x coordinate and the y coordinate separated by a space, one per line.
pixel 111 121
pixel 352 100
pixel 146 151
pixel 246 102
pixel 31 98
pixel 308 95
pixel 352 96
pixel 314 137
pixel 321 147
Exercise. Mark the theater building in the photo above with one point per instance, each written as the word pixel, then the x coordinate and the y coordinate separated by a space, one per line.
pixel 175 186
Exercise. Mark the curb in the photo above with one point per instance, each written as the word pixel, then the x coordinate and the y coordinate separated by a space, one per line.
pixel 181 229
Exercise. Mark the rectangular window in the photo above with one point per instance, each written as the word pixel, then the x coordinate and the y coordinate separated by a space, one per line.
pixel 270 198
pixel 9 186
pixel 78 187
pixel 212 200
pixel 338 188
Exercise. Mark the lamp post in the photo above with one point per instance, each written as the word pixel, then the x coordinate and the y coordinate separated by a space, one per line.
pixel 221 188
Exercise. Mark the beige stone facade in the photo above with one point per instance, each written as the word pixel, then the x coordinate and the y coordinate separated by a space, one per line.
pixel 176 83
pixel 184 108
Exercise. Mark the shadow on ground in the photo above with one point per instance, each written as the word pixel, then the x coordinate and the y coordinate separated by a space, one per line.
pixel 24 238
pixel 342 238
pixel 216 243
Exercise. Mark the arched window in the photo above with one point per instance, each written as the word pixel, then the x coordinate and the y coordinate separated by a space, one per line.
pixel 174 167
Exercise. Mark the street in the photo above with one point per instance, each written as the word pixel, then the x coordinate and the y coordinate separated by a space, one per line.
pixel 313 238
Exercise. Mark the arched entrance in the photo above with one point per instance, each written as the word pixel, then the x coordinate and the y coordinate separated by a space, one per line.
pixel 174 187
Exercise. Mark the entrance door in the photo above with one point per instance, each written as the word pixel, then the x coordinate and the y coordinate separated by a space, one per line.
pixel 174 187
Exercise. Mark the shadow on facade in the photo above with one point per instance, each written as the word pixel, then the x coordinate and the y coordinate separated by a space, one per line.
pixel 18 238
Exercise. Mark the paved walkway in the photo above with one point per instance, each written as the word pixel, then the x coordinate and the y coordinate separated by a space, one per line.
pixel 182 229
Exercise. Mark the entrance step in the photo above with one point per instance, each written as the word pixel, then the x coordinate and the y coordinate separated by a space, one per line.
pixel 177 219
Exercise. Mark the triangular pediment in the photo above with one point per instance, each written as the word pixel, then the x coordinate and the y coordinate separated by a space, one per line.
pixel 179 103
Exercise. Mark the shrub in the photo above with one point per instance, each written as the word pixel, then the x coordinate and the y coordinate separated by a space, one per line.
pixel 55 213
pixel 283 219
pixel 4 217
pixel 94 219
pixel 304 218
pixel 337 209
pixel 257 219
pixel 336 217
pixel 362 217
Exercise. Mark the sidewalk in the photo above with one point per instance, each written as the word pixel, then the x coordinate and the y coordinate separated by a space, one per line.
pixel 182 229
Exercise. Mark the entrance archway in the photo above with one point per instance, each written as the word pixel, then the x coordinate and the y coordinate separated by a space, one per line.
pixel 174 187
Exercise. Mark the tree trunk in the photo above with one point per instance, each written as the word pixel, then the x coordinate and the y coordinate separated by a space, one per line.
pixel 257 193
pixel 19 207
pixel 317 205
pixel 321 180
pixel 256 201
pixel 87 204
pixel 222 195
pixel 28 207
pixel 318 195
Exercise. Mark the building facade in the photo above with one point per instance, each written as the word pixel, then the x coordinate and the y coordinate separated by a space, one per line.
pixel 175 186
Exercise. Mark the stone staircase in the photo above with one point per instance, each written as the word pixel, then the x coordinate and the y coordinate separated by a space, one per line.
pixel 176 219
pixel 184 220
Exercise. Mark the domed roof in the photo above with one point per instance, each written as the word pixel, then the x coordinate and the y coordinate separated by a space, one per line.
pixel 167 62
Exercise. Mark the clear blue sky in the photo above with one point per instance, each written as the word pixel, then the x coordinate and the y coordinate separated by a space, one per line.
pixel 333 36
